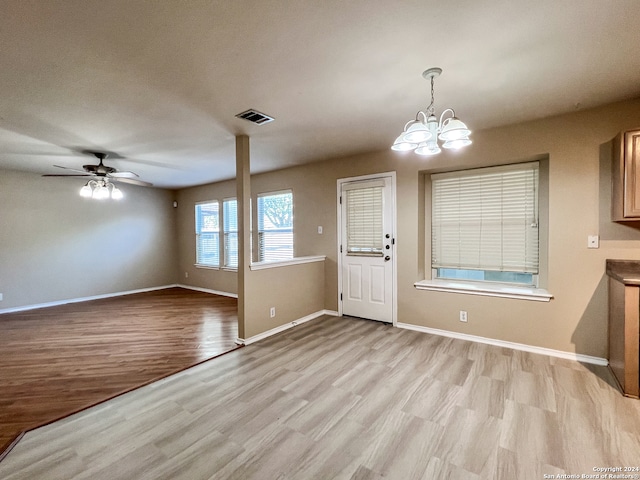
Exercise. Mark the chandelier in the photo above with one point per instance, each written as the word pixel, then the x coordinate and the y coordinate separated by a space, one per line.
pixel 101 189
pixel 423 133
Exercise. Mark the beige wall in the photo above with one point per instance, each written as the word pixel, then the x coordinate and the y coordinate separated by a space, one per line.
pixel 55 245
pixel 188 273
pixel 295 291
pixel 578 149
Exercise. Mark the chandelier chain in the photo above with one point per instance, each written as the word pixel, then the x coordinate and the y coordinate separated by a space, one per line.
pixel 431 109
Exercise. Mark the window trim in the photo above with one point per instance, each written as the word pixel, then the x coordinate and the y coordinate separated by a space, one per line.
pixel 195 208
pixel 487 289
pixel 494 289
pixel 257 224
pixel 370 238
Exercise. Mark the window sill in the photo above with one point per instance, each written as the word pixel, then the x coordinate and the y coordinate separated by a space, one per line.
pixel 208 267
pixel 489 290
pixel 284 263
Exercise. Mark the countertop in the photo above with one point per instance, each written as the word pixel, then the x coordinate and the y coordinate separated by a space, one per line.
pixel 625 271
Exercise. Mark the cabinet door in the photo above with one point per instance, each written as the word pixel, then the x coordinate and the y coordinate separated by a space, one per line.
pixel 632 174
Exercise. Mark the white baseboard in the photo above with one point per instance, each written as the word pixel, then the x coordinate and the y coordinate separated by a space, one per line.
pixel 502 343
pixel 208 290
pixel 282 328
pixel 83 299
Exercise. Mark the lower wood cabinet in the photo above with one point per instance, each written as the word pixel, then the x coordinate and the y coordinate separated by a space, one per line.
pixel 624 324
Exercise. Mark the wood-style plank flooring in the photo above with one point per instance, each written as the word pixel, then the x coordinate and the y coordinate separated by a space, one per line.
pixel 348 399
pixel 55 361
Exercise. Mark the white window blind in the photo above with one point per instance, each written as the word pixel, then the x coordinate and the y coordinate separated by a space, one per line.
pixel 230 228
pixel 364 219
pixel 275 226
pixel 207 234
pixel 486 219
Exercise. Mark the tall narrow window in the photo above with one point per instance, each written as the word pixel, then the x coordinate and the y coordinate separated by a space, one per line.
pixel 275 226
pixel 484 224
pixel 207 234
pixel 230 227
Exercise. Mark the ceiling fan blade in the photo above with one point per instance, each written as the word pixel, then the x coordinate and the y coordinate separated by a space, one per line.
pixel 133 181
pixel 72 169
pixel 67 175
pixel 124 175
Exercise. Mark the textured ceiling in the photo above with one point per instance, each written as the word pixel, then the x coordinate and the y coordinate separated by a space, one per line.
pixel 158 82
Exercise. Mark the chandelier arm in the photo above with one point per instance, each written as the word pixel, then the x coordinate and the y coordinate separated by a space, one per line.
pixel 453 114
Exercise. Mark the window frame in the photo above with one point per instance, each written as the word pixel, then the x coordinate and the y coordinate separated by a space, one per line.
pixel 367 239
pixel 485 288
pixel 259 255
pixel 469 258
pixel 199 262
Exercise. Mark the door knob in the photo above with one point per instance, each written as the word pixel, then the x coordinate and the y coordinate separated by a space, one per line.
pixel 387 258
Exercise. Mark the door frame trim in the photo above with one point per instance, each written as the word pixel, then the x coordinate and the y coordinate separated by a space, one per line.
pixel 394 272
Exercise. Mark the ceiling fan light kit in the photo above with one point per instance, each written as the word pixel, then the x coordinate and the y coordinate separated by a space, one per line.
pixel 101 185
pixel 100 190
pixel 422 134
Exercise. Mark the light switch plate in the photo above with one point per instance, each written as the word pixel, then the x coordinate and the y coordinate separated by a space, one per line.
pixel 593 241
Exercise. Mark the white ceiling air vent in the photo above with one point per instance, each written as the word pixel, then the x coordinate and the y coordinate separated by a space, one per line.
pixel 255 116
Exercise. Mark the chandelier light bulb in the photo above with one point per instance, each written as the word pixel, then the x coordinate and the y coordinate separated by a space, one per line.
pixel 116 193
pixel 401 146
pixel 428 148
pixel 416 133
pixel 456 144
pixel 454 129
pixel 85 191
pixel 101 192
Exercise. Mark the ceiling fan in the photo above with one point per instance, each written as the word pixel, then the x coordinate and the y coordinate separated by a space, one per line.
pixel 100 186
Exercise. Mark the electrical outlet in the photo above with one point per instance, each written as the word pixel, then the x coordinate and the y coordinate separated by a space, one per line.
pixel 186 274
pixel 0 297
pixel 272 312
pixel 463 316
pixel 319 229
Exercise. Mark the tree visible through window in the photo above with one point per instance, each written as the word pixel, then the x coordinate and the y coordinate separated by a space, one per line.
pixel 275 226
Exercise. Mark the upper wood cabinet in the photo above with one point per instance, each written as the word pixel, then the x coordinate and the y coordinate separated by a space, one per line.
pixel 626 177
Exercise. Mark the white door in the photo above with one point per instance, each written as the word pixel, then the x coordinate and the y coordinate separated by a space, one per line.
pixel 367 248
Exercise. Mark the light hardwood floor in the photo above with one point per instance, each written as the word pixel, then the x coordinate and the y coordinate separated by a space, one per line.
pixel 55 361
pixel 349 399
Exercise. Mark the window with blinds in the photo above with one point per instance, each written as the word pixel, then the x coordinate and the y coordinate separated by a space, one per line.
pixel 230 232
pixel 207 234
pixel 364 219
pixel 484 224
pixel 275 226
